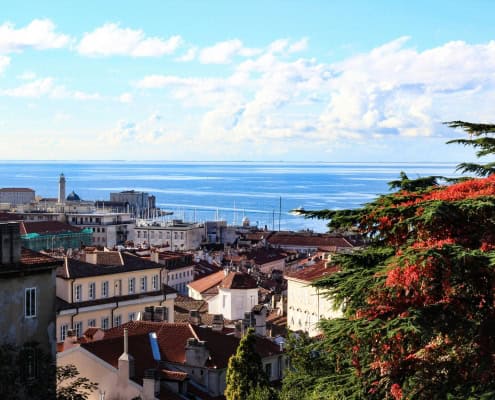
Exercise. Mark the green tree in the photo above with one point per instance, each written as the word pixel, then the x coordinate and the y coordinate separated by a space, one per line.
pixel 245 370
pixel 71 386
pixel 418 302
pixel 479 139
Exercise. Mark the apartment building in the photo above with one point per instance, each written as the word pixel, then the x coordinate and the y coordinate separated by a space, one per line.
pixel 175 235
pixel 109 229
pixel 106 289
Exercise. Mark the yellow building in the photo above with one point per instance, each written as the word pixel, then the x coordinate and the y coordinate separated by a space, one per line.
pixel 107 289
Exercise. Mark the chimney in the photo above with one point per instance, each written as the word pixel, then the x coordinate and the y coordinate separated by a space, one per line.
pixel 70 340
pixel 194 317
pixel 126 361
pixel 151 384
pixel 196 352
pixel 10 243
pixel 217 323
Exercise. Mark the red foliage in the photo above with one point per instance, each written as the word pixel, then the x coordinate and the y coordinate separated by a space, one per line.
pixel 396 391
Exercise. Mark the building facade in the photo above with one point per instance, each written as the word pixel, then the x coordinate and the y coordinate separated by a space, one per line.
pixel 16 196
pixel 306 305
pixel 175 235
pixel 109 229
pixel 107 289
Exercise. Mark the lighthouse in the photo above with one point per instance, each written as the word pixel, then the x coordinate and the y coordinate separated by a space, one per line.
pixel 61 189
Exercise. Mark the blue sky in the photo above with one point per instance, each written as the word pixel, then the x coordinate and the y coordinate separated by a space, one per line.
pixel 214 80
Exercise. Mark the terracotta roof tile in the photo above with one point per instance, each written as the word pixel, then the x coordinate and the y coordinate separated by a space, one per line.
pixel 286 239
pixel 313 272
pixel 238 280
pixel 203 284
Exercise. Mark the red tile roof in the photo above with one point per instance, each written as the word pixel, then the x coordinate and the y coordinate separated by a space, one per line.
pixel 305 240
pixel 207 282
pixel 313 272
pixel 172 339
pixel 238 280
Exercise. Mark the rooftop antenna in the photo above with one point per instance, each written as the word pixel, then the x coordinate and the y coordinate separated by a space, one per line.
pixel 235 216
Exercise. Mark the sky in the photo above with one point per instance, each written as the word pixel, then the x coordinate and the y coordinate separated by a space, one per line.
pixel 255 80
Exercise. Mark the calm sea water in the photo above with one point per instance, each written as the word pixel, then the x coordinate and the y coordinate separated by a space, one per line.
pixel 201 190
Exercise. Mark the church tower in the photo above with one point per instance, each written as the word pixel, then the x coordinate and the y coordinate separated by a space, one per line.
pixel 61 189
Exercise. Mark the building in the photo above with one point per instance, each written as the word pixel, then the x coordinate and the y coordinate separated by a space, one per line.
pixel 175 235
pixel 237 294
pixel 27 301
pixel 205 287
pixel 184 358
pixel 46 235
pixel 61 189
pixel 306 305
pixel 106 289
pixel 16 196
pixel 140 204
pixel 109 229
pixel 266 260
pixel 180 268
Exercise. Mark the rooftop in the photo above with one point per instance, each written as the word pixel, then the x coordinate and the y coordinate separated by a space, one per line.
pixel 238 280
pixel 313 272
pixel 207 282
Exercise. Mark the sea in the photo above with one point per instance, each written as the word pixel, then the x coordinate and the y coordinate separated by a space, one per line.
pixel 263 192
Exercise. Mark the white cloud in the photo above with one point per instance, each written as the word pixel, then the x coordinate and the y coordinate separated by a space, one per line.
pixel 27 76
pixel 223 52
pixel 47 87
pixel 298 46
pixel 38 34
pixel 4 63
pixel 110 39
pixel 125 98
pixel 189 55
pixel 393 90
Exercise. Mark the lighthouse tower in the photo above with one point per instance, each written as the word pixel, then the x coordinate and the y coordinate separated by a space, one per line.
pixel 61 189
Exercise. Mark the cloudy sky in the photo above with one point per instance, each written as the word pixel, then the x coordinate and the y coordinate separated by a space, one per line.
pixel 257 80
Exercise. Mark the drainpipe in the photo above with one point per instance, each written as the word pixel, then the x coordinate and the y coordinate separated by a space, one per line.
pixel 112 311
pixel 72 318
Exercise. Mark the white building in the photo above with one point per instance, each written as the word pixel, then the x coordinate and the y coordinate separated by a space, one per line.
pixel 109 229
pixel 15 196
pixel 179 267
pixel 176 235
pixel 306 305
pixel 237 294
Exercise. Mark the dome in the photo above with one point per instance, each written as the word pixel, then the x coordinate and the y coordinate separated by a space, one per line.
pixel 245 221
pixel 73 196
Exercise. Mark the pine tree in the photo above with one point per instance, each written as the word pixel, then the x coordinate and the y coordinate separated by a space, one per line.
pixel 418 301
pixel 245 370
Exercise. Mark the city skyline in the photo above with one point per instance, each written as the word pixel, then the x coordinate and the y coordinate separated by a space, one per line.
pixel 217 81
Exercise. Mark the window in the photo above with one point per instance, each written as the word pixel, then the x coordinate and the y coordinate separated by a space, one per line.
pixel 104 323
pixel 30 302
pixel 138 234
pixel 152 234
pixel 145 234
pixel 175 235
pixel 91 323
pixel 132 285
pixel 78 293
pixel 104 289
pixel 78 327
pixel 91 291
pixel 103 229
pixel 182 235
pixel 117 320
pixel 63 331
pixel 144 283
pixel 224 300
pixel 154 282
pixel 132 316
pixel 268 370
pixel 160 235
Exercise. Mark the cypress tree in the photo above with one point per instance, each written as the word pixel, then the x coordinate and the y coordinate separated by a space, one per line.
pixel 245 370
